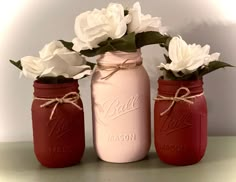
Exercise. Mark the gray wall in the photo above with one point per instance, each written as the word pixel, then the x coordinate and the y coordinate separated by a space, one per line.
pixel 26 25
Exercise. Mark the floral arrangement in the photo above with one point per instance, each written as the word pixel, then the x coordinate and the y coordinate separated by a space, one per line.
pixel 110 29
pixel 116 29
pixel 189 61
pixel 55 64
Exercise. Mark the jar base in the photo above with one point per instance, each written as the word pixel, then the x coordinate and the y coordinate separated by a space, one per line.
pixel 59 162
pixel 124 156
pixel 179 162
pixel 124 161
pixel 48 165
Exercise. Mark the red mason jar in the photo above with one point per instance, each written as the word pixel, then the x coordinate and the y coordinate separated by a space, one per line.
pixel 59 141
pixel 180 125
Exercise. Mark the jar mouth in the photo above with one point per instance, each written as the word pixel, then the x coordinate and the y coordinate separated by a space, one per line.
pixel 179 82
pixel 170 87
pixel 138 51
pixel 40 85
pixel 118 57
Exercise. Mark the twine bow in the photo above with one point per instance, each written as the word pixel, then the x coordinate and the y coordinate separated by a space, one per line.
pixel 177 98
pixel 69 98
pixel 116 67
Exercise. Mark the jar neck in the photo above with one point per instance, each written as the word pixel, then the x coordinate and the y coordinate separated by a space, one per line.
pixel 119 57
pixel 170 87
pixel 54 90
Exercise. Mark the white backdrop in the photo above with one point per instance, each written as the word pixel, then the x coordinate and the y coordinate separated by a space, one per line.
pixel 26 25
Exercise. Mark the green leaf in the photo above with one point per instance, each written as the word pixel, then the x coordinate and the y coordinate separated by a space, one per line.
pixel 16 63
pixel 170 75
pixel 147 38
pixel 192 76
pixel 92 65
pixel 168 60
pixel 126 12
pixel 68 45
pixel 54 80
pixel 126 44
pixel 166 44
pixel 212 66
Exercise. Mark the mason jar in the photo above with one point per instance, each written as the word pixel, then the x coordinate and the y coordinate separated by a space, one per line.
pixel 120 89
pixel 180 122
pixel 58 124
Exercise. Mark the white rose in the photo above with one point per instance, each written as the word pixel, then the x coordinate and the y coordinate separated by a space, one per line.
pixel 143 23
pixel 55 60
pixel 93 27
pixel 52 48
pixel 32 67
pixel 187 58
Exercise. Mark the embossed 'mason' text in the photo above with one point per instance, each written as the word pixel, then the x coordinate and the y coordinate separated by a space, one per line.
pixel 122 137
pixel 171 147
pixel 60 149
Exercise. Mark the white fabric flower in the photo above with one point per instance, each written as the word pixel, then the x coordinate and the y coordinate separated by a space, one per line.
pixel 55 60
pixel 187 58
pixel 93 27
pixel 52 48
pixel 143 23
pixel 32 66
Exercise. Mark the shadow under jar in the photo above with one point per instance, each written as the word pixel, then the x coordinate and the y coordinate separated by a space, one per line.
pixel 121 107
pixel 180 122
pixel 58 128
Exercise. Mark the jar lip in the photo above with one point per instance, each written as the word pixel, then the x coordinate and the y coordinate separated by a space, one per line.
pixel 118 57
pixel 179 82
pixel 55 85
pixel 123 52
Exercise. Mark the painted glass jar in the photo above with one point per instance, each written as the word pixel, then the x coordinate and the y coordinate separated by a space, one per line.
pixel 120 91
pixel 180 125
pixel 58 124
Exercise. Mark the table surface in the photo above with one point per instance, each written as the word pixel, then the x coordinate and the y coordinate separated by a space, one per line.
pixel 18 164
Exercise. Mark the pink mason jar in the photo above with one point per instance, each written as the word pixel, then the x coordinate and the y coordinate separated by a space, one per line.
pixel 121 107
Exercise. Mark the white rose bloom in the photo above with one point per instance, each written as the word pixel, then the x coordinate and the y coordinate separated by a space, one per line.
pixel 52 48
pixel 143 23
pixel 93 27
pixel 55 60
pixel 187 58
pixel 31 67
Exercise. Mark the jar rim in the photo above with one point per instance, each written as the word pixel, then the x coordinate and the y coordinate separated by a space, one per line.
pixel 180 82
pixel 40 85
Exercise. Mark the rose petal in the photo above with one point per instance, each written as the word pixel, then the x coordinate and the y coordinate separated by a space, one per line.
pixel 32 66
pixel 73 58
pixel 176 48
pixel 49 49
pixel 82 74
pixel 78 45
pixel 143 23
pixel 58 64
pixel 213 57
pixel 75 70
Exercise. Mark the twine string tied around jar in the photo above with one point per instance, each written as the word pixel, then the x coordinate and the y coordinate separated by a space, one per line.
pixel 117 67
pixel 185 98
pixel 69 98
